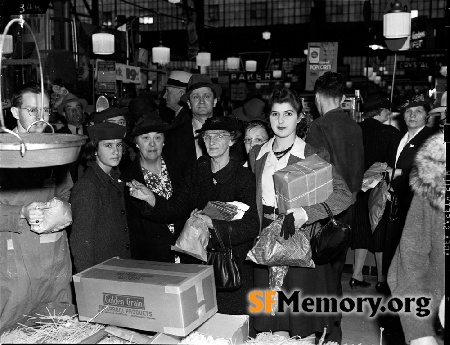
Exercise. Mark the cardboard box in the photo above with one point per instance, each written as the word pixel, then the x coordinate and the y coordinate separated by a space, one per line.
pixel 231 327
pixel 146 295
pixel 304 183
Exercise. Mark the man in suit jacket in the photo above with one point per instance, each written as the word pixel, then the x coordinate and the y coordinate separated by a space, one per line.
pixel 335 131
pixel 182 143
pixel 175 88
pixel 72 108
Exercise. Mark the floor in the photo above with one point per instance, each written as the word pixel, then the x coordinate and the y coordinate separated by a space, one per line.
pixel 358 328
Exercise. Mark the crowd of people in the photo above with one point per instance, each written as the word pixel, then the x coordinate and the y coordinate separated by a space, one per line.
pixel 145 170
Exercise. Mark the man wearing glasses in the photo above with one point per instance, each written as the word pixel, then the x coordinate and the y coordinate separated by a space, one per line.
pixel 72 108
pixel 35 262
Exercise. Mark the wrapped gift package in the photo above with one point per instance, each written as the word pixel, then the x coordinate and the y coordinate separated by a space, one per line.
pixel 304 183
pixel 151 296
pixel 233 328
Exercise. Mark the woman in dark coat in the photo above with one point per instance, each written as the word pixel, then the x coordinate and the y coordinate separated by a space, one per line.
pixel 99 229
pixel 216 177
pixel 285 148
pixel 151 240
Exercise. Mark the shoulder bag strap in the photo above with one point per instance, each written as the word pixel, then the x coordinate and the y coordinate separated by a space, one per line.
pixel 219 239
pixel 330 214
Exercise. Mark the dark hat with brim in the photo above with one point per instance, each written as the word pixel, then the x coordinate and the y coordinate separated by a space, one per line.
pixel 140 106
pixel 375 102
pixel 201 80
pixel 150 123
pixel 417 101
pixel 70 97
pixel 252 110
pixel 217 123
pixel 106 131
pixel 110 113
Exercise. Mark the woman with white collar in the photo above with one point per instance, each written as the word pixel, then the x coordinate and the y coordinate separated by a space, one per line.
pixel 286 148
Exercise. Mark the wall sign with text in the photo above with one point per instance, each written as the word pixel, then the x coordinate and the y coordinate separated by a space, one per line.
pixel 322 57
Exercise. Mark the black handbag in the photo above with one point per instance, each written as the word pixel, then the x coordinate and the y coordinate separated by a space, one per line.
pixel 226 271
pixel 330 240
pixel 392 204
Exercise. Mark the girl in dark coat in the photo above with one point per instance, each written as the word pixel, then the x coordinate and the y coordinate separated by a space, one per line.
pixel 151 240
pixel 216 177
pixel 99 229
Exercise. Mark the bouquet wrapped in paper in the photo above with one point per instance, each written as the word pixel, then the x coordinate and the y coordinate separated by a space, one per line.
pixel 193 239
pixel 305 183
pixel 225 210
pixel 373 175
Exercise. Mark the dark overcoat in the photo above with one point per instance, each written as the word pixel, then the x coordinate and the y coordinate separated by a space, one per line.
pixel 233 183
pixel 99 229
pixel 318 281
pixel 149 240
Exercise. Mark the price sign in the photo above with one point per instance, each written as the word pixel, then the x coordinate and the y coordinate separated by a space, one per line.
pixel 24 7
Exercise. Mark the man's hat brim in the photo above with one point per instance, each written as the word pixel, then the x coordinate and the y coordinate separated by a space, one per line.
pixel 82 101
pixel 217 89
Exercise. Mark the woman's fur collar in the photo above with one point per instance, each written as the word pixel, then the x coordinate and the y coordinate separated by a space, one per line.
pixel 428 174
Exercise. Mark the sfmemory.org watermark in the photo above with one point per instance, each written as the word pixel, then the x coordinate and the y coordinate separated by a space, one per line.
pixel 264 301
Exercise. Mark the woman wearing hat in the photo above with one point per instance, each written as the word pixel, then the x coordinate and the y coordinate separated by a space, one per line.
pixel 151 240
pixel 416 117
pixel 216 176
pixel 99 229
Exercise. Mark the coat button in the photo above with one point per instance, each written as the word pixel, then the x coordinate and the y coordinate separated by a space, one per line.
pixel 126 229
pixel 128 246
pixel 122 211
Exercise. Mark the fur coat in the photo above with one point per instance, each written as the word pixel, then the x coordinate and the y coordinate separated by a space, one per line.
pixel 418 268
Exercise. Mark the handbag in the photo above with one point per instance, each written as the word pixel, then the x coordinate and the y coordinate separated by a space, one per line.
pixel 226 271
pixel 392 203
pixel 330 240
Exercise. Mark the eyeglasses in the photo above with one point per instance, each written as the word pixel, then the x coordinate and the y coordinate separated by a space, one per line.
pixel 208 137
pixel 33 112
pixel 257 141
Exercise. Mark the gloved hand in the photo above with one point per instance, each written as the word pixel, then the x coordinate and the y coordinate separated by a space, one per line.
pixel 288 227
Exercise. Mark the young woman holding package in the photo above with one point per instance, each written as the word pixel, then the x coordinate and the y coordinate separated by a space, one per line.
pixel 284 149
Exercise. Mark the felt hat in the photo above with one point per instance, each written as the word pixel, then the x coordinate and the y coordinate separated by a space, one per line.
pixel 179 79
pixel 141 106
pixel 201 80
pixel 441 106
pixel 224 123
pixel 375 102
pixel 252 110
pixel 150 123
pixel 110 113
pixel 106 131
pixel 70 97
pixel 416 101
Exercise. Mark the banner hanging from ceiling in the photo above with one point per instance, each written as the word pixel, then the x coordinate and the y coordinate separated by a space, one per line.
pixel 322 57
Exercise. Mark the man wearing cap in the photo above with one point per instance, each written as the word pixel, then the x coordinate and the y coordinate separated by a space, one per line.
pixel 175 88
pixel 380 144
pixel 335 131
pixel 99 229
pixel 183 141
pixel 72 108
pixel 35 266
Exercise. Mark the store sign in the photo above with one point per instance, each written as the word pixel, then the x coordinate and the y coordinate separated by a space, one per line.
pixel 239 77
pixel 25 7
pixel 322 57
pixel 106 76
pixel 238 92
pixel 128 74
pixel 414 65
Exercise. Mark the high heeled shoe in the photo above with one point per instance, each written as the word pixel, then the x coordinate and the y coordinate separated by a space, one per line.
pixel 383 288
pixel 358 283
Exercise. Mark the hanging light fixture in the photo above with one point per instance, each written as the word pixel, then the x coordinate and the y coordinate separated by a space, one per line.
pixel 203 59
pixel 103 43
pixel 233 63
pixel 174 1
pixel 160 54
pixel 277 73
pixel 397 19
pixel 266 35
pixel 7 44
pixel 250 66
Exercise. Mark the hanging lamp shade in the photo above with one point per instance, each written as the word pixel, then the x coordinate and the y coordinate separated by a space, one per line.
pixel 398 43
pixel 103 43
pixel 7 44
pixel 161 55
pixel 203 59
pixel 277 73
pixel 233 63
pixel 266 35
pixel 397 19
pixel 250 66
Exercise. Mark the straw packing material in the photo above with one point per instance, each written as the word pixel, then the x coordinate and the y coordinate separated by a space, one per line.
pixel 199 338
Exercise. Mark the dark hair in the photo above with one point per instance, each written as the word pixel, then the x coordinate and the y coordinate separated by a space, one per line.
pixel 16 100
pixel 285 95
pixel 90 149
pixel 330 85
pixel 261 124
